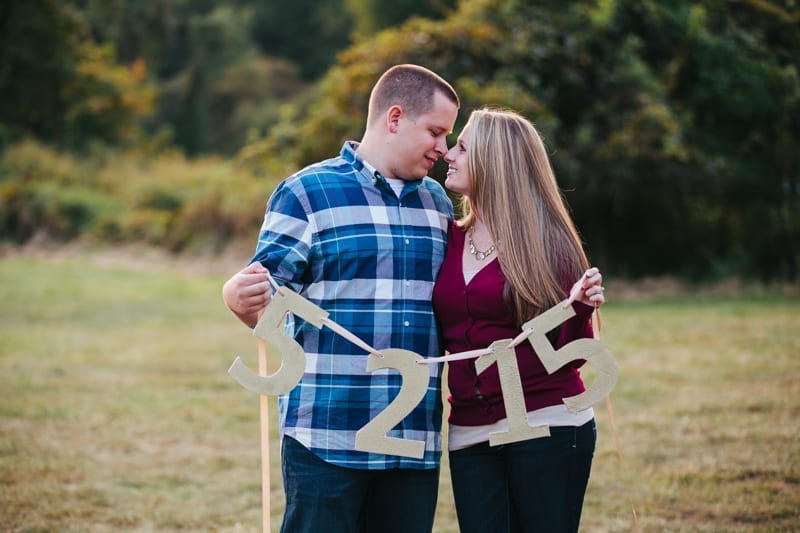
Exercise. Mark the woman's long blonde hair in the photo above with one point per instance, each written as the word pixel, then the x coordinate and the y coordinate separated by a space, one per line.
pixel 513 187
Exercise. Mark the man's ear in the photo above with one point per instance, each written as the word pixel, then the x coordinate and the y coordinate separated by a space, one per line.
pixel 393 116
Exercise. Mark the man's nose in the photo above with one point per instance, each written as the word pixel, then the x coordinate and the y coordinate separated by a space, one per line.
pixel 441 148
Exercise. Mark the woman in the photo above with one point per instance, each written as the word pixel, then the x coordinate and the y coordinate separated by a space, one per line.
pixel 514 254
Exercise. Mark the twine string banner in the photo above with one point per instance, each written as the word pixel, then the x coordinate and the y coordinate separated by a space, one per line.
pixel 415 374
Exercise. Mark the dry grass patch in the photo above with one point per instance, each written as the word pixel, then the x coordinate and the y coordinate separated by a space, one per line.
pixel 117 412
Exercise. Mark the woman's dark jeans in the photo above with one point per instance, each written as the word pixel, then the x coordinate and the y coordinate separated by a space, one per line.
pixel 533 485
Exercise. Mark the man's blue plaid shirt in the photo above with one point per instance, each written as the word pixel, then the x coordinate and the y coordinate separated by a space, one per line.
pixel 338 235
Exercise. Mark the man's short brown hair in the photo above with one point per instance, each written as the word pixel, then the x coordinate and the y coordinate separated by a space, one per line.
pixel 410 86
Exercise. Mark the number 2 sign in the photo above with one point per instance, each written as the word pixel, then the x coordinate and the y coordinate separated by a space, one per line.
pixel 414 372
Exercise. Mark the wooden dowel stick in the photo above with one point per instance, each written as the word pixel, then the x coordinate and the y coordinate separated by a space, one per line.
pixel 264 414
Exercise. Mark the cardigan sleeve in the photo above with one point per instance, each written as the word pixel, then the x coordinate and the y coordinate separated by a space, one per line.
pixel 577 327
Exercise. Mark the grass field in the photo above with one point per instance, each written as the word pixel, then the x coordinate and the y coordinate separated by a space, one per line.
pixel 117 412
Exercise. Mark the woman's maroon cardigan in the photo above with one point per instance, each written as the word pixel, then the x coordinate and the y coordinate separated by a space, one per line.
pixel 472 316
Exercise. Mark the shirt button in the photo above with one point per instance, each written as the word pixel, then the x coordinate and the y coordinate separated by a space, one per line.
pixel 408 283
pixel 407 241
pixel 407 323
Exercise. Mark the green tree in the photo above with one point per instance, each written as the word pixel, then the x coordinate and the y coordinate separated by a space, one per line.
pixel 373 15
pixel 673 126
pixel 58 85
pixel 306 32
pixel 214 87
pixel 37 55
pixel 311 32
pixel 216 42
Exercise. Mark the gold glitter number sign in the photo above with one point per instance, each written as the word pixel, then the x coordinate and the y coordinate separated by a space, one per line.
pixel 372 437
pixel 271 328
pixel 591 350
pixel 415 373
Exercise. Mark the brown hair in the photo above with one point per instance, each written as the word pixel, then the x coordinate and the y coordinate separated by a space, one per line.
pixel 410 86
pixel 513 187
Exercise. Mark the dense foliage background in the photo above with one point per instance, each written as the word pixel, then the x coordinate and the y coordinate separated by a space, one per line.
pixel 674 126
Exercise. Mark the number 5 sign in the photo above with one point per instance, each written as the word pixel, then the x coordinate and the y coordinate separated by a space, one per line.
pixel 412 367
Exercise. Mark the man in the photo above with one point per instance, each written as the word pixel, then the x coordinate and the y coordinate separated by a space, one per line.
pixel 362 236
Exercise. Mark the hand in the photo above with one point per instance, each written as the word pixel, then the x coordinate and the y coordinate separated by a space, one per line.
pixel 247 292
pixel 589 289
